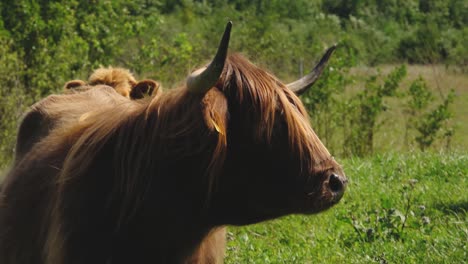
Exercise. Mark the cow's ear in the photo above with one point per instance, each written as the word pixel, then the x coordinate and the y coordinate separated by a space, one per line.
pixel 216 116
pixel 144 88
pixel 215 111
pixel 74 84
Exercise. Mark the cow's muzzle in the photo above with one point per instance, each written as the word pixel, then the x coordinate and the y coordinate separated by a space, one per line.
pixel 336 186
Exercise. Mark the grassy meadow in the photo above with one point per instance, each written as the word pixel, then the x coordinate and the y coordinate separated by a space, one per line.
pixel 399 208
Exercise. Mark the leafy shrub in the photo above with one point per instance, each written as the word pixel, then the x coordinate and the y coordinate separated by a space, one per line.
pixel 366 107
pixel 435 121
pixel 12 99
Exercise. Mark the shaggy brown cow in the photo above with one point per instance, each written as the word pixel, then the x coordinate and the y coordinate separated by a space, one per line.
pixel 150 182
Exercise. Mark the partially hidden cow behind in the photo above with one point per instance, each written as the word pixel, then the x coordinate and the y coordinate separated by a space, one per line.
pixel 151 182
pixel 106 86
pixel 121 79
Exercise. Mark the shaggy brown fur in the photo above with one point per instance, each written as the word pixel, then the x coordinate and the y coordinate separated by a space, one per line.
pixel 43 116
pixel 121 79
pixel 154 182
pixel 60 110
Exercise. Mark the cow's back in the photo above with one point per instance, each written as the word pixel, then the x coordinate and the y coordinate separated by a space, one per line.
pixel 59 111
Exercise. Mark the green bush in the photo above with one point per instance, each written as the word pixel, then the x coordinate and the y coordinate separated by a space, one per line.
pixel 434 122
pixel 424 46
pixel 12 99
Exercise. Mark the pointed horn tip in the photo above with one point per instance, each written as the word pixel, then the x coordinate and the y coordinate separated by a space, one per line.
pixel 227 30
pixel 332 48
pixel 228 27
pixel 327 54
pixel 301 85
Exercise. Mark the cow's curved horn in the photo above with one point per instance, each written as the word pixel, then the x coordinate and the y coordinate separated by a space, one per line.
pixel 203 79
pixel 301 85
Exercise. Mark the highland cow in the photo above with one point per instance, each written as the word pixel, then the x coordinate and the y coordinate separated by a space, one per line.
pixel 157 181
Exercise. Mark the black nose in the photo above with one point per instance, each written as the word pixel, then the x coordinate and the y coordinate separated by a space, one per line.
pixel 336 183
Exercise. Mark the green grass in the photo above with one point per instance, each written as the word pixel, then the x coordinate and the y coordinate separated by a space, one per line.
pixel 408 208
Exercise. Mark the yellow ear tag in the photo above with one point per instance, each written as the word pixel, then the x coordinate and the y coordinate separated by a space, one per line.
pixel 84 116
pixel 216 127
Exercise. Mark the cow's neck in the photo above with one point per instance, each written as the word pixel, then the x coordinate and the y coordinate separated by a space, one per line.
pixel 170 217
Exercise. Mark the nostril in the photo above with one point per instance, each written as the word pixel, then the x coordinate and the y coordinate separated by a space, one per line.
pixel 335 183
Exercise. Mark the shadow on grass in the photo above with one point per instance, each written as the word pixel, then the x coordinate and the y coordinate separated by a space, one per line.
pixel 453 208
